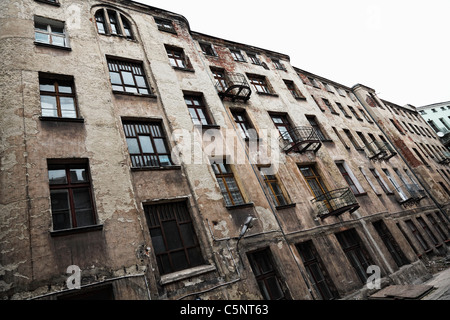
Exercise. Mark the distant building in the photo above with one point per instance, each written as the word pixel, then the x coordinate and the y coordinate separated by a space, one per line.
pixel 163 163
pixel 438 117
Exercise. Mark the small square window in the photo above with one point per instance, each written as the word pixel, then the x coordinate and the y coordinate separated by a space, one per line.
pixel 237 55
pixel 208 49
pixel 48 31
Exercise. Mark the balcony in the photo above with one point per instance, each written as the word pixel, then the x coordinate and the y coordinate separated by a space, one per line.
pixel 377 150
pixel 335 203
pixel 233 86
pixel 409 195
pixel 300 139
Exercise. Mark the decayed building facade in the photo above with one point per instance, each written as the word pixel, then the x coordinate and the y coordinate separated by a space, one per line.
pixel 140 153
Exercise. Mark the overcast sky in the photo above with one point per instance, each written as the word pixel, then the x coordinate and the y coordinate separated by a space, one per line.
pixel 399 48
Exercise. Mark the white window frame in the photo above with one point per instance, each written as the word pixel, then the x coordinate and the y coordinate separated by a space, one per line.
pixel 49 32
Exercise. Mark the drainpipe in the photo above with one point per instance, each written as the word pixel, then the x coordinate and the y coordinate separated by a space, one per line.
pixel 403 158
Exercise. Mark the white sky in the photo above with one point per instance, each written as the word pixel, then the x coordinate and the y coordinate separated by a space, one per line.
pixel 399 48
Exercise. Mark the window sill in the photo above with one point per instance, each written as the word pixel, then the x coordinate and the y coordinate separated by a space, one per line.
pixel 347 116
pixel 361 194
pixel 300 98
pixel 56 4
pixel 334 112
pixel 167 30
pixel 207 126
pixel 241 206
pixel 286 206
pixel 267 94
pixel 66 232
pixel 184 69
pixel 166 168
pixel 185 274
pixel 327 140
pixel 153 96
pixel 47 45
pixel 57 119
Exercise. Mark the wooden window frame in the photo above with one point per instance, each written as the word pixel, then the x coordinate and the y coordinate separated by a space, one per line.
pixel 243 124
pixel 260 84
pixel 154 131
pixel 70 186
pixel 279 198
pixel 293 89
pixel 50 32
pixel 222 172
pixel 314 124
pixel 420 239
pixel 137 71
pixel 178 59
pixel 208 49
pixel 165 25
pixel 158 217
pixel 56 81
pixel 196 103
pixel 390 243
pixel 107 18
pixel 349 179
pixel 237 55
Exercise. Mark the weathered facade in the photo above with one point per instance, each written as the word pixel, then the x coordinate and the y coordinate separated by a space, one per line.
pixel 136 150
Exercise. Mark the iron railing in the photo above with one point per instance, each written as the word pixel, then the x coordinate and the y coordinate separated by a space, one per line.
pixel 409 194
pixel 300 139
pixel 234 86
pixel 378 150
pixel 335 203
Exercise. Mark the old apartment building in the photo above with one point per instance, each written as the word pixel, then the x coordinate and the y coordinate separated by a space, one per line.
pixel 163 163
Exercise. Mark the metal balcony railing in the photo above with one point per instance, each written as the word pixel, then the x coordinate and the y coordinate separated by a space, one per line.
pixel 300 139
pixel 443 158
pixel 233 86
pixel 409 194
pixel 335 203
pixel 377 150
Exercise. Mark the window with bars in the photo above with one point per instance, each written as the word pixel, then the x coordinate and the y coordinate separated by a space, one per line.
pixel 266 275
pixel 57 95
pixel 197 109
pixel 71 195
pixel 178 58
pixel 274 187
pixel 147 144
pixel 111 22
pixel 228 185
pixel 174 240
pixel 50 32
pixel 128 77
pixel 437 227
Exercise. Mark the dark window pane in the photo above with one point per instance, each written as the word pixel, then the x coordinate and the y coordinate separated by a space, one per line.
pixel 57 176
pixel 158 241
pixel 172 235
pixel 187 233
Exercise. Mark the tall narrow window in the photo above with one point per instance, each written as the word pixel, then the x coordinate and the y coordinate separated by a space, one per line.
pixel 340 138
pixel 237 55
pixel 178 58
pixel 100 20
pixel 208 49
pixel 293 89
pixel 197 109
pixel 243 124
pixel 344 112
pixel 349 178
pixel 228 185
pixel 113 23
pixel 50 32
pixel 427 230
pixel 219 76
pixel 352 139
pixel 126 27
pixel 355 252
pixel 313 122
pixel 380 181
pixel 315 183
pixel 317 271
pixel 412 227
pixel 266 275
pixel 147 144
pixel 71 195
pixel 329 106
pixel 274 187
pixel 437 227
pixel 127 77
pixel 283 125
pixel 57 96
pixel 175 243
pixel 390 243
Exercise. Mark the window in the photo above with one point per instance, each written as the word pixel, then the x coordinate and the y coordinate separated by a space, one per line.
pixel 237 55
pixel 397 126
pixel 437 227
pixel 165 25
pixel 266 275
pixel 293 89
pixel 111 22
pixel 283 125
pixel 352 139
pixel 175 243
pixel 412 227
pixel 344 112
pixel 313 82
pixel 254 59
pixel 352 110
pixel 427 230
pixel 71 195
pixel 328 87
pixel 57 96
pixel 316 270
pixel 369 181
pixel 177 58
pixel 349 178
pixel 313 122
pixel 127 76
pixel 208 49
pixel 278 65
pixel 444 123
pixel 219 76
pixel 329 106
pixel 314 181
pixel 420 157
pixel 274 187
pixel 380 181
pixel 365 115
pixel 227 183
pixel 243 124
pixel 260 84
pixel 147 144
pixel 390 243
pixel 197 109
pixel 356 252
pixel 340 138
pixel 50 32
